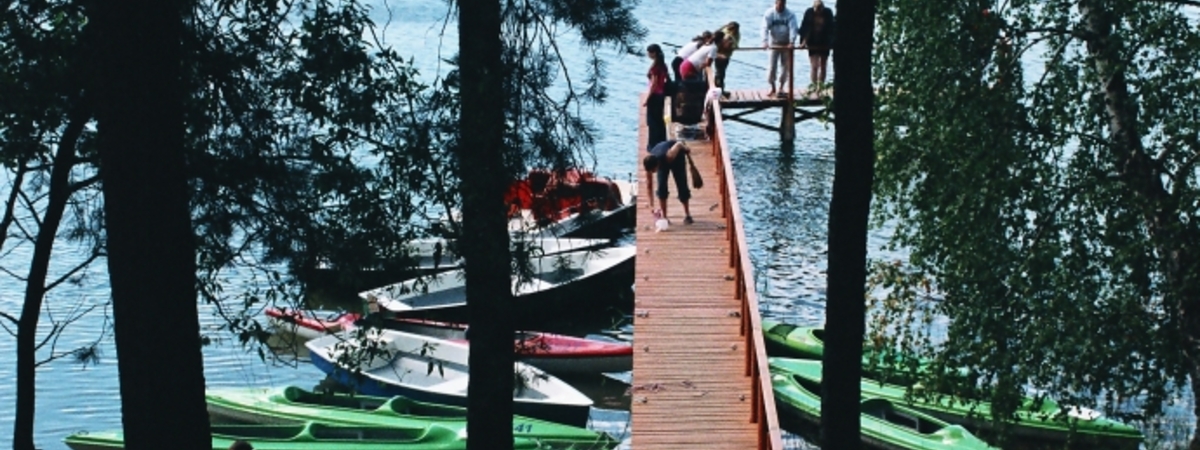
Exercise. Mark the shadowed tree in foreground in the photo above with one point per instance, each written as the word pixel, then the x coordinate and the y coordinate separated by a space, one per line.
pixel 485 231
pixel 150 241
pixel 848 213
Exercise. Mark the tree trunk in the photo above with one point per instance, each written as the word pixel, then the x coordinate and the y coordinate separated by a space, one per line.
pixel 35 284
pixel 848 214
pixel 1177 242
pixel 151 247
pixel 485 232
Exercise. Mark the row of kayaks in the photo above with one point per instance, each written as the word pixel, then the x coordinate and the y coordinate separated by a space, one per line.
pixel 291 418
pixel 894 419
pixel 410 381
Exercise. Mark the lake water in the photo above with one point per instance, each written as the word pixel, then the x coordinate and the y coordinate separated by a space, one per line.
pixel 784 192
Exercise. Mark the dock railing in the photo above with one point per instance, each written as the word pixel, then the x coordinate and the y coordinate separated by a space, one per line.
pixel 764 413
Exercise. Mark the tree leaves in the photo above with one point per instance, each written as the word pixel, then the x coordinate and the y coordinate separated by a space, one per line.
pixel 1003 179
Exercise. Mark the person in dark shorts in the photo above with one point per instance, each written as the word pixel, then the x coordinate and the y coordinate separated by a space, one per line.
pixel 816 34
pixel 668 158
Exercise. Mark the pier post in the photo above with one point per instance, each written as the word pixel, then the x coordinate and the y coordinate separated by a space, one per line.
pixel 787 122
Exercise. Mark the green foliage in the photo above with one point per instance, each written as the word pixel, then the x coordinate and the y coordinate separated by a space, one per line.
pixel 1042 255
pixel 545 93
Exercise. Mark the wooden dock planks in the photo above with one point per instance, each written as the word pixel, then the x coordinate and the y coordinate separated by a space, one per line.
pixel 690 385
pixel 746 99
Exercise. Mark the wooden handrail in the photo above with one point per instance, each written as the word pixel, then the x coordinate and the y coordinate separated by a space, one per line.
pixel 764 412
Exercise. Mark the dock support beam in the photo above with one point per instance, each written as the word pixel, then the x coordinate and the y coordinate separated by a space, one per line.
pixel 787 122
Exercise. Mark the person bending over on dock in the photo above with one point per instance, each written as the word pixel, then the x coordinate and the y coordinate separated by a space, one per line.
pixel 816 34
pixel 668 157
pixel 725 51
pixel 687 51
pixel 779 28
pixel 693 66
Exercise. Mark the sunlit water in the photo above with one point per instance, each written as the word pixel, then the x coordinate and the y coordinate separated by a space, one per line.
pixel 785 193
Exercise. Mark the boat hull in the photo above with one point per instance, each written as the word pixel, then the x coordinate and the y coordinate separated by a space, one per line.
pixel 883 424
pixel 292 405
pixel 563 285
pixel 1096 433
pixel 548 399
pixel 311 436
pixel 554 353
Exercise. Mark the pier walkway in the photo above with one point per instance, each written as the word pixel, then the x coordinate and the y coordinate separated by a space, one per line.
pixel 700 377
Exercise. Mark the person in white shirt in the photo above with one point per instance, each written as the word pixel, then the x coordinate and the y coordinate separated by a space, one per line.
pixel 687 50
pixel 778 30
pixel 693 66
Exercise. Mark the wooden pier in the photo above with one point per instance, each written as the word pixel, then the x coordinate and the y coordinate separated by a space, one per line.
pixel 700 377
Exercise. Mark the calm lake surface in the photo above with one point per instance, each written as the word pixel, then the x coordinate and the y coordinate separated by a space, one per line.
pixel 785 194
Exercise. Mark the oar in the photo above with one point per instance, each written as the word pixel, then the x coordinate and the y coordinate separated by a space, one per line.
pixel 732 60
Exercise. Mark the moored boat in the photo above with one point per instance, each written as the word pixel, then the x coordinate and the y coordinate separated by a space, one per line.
pixel 548 275
pixel 435 370
pixel 426 256
pixel 292 405
pixel 785 339
pixel 310 436
pixel 883 424
pixel 569 202
pixel 1035 421
pixel 308 324
pixel 554 353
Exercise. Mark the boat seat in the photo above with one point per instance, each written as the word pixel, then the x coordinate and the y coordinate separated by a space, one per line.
pixel 456 385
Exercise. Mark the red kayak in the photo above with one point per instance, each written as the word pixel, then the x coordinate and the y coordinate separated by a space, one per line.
pixel 554 353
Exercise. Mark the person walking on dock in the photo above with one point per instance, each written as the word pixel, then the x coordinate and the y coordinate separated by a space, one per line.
pixel 668 157
pixel 656 126
pixel 816 34
pixel 725 50
pixel 778 30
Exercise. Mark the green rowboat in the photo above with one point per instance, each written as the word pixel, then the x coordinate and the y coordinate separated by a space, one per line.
pixel 1036 421
pixel 884 424
pixel 310 436
pixel 293 405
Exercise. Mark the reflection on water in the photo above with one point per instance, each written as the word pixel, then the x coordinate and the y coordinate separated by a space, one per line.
pixel 784 192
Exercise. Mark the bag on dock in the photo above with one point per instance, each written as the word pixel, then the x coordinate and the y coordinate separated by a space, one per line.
pixel 697 182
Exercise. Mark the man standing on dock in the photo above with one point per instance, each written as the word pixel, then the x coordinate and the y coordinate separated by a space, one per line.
pixel 779 30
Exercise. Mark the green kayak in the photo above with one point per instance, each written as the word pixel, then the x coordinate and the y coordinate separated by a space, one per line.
pixel 884 424
pixel 310 436
pixel 1041 421
pixel 785 339
pixel 291 405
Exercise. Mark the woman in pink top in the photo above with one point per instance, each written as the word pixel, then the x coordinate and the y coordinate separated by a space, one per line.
pixel 693 66
pixel 656 127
